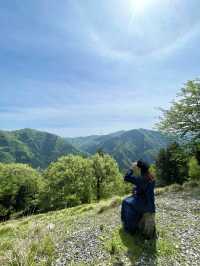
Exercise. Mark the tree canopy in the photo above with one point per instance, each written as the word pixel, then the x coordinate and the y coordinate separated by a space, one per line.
pixel 172 165
pixel 73 180
pixel 69 181
pixel 183 117
pixel 106 175
pixel 19 189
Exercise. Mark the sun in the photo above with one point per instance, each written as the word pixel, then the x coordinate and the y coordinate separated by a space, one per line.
pixel 140 6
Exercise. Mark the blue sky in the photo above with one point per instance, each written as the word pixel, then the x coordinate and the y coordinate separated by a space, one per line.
pixel 81 67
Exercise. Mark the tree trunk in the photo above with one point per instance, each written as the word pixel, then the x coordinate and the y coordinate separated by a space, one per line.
pixel 98 189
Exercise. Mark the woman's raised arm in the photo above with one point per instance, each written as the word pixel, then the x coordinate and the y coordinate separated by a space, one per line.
pixel 129 177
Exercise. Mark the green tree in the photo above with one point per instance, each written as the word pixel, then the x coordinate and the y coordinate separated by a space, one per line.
pixel 172 165
pixel 20 188
pixel 69 182
pixel 196 149
pixel 183 118
pixel 107 177
pixel 194 169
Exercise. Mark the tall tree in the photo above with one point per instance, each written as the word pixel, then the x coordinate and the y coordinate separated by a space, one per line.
pixel 194 169
pixel 183 118
pixel 69 182
pixel 172 165
pixel 106 174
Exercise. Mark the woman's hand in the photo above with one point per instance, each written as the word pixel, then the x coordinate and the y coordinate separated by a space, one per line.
pixel 135 169
pixel 134 165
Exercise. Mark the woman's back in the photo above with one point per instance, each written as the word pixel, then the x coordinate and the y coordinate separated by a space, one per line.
pixel 144 195
pixel 142 201
pixel 143 198
pixel 150 196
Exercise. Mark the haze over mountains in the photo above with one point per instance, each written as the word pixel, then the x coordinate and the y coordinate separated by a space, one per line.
pixel 39 148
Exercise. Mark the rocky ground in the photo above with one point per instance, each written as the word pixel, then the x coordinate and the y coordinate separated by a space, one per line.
pixel 92 235
pixel 178 242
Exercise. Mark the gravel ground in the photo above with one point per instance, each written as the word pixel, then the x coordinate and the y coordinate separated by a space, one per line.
pixel 183 213
pixel 178 213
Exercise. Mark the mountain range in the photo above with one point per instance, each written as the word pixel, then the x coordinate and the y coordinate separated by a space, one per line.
pixel 39 148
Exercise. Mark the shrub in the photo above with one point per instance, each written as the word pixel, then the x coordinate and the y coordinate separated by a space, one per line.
pixel 69 182
pixel 175 188
pixel 191 184
pixel 20 188
pixel 194 169
pixel 172 165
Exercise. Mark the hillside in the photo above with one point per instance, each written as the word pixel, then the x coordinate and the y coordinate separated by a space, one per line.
pixel 92 235
pixel 33 147
pixel 40 148
pixel 124 146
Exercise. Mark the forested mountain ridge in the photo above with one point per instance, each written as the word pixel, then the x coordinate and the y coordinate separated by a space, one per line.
pixel 124 146
pixel 33 147
pixel 39 148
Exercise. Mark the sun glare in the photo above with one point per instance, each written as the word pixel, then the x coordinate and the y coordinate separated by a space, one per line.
pixel 140 6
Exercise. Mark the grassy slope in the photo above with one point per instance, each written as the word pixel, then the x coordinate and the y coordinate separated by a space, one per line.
pixel 92 234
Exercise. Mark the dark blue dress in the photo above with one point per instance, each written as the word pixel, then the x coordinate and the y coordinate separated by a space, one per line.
pixel 142 201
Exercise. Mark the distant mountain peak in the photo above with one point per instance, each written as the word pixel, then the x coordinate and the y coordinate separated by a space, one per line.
pixel 40 148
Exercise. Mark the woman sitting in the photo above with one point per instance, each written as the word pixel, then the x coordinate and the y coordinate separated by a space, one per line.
pixel 142 202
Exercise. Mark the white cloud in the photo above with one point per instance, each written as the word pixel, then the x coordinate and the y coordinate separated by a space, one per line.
pixel 178 44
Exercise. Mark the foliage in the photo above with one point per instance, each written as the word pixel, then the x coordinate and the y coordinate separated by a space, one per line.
pixel 114 203
pixel 136 247
pixel 74 180
pixel 171 165
pixel 183 117
pixel 195 146
pixel 107 178
pixel 20 188
pixel 69 182
pixel 152 169
pixel 194 169
pixel 33 247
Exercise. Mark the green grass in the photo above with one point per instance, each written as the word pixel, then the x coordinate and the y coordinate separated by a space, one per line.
pixel 136 246
pixel 26 244
pixel 32 240
pixel 191 186
pixel 113 203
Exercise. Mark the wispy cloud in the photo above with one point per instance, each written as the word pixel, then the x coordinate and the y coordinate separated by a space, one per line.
pixel 182 41
pixel 124 112
pixel 89 67
pixel 102 48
